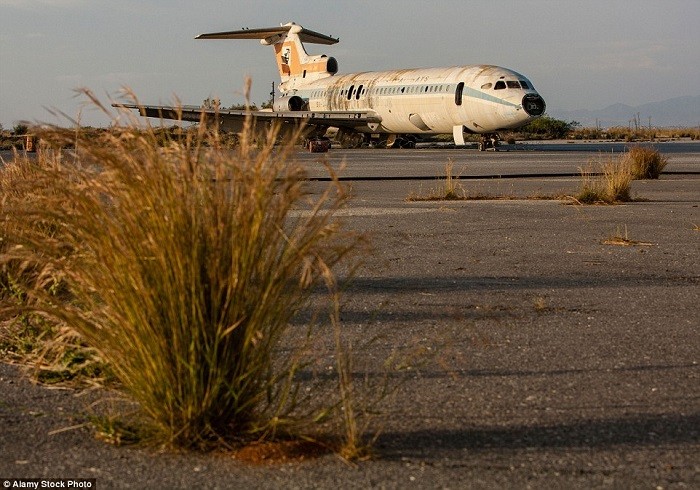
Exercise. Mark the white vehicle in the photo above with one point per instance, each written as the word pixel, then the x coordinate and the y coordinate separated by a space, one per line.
pixel 392 107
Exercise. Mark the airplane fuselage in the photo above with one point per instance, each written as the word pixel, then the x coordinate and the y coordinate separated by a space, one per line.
pixel 481 98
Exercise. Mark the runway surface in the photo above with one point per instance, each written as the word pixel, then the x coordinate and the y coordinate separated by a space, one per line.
pixel 381 178
pixel 551 354
pixel 512 160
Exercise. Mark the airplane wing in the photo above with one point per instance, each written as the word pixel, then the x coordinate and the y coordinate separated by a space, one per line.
pixel 233 118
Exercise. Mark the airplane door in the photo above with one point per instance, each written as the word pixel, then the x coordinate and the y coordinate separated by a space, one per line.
pixel 458 93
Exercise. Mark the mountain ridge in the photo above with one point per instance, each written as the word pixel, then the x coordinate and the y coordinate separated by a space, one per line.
pixel 677 111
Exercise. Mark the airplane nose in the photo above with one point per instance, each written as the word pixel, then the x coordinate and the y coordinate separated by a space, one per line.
pixel 534 104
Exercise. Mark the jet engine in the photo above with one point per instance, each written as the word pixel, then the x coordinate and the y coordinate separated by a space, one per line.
pixel 332 65
pixel 534 104
pixel 289 103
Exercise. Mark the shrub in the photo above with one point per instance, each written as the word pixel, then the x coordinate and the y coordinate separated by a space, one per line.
pixel 547 127
pixel 19 129
pixel 644 162
pixel 184 266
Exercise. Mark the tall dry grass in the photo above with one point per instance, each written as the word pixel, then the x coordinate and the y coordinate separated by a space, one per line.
pixel 645 162
pixel 448 189
pixel 606 181
pixel 183 267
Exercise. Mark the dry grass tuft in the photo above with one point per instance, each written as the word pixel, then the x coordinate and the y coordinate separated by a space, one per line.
pixel 55 352
pixel 540 304
pixel 449 189
pixel 606 182
pixel 182 267
pixel 644 162
pixel 623 240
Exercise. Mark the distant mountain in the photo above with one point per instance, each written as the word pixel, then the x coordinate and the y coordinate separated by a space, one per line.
pixel 679 111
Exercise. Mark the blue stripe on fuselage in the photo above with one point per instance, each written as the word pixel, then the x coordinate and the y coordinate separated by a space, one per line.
pixel 477 94
pixel 467 92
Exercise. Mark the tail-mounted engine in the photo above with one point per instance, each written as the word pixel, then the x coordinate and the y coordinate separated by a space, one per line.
pixel 290 103
pixel 331 64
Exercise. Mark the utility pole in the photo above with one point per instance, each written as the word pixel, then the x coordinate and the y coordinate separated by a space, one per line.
pixel 272 94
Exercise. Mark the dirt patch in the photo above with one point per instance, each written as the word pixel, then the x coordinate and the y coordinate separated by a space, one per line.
pixel 280 452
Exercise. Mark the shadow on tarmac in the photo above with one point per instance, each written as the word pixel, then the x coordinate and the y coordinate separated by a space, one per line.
pixel 645 430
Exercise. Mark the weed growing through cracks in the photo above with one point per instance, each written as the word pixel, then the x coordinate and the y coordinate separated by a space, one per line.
pixel 448 190
pixel 623 239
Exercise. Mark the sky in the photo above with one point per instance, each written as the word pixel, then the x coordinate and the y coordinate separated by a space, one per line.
pixel 579 54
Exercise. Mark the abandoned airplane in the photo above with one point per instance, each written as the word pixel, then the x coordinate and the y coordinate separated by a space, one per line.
pixel 390 107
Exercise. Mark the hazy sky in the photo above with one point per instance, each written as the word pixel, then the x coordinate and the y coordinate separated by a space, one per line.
pixel 579 54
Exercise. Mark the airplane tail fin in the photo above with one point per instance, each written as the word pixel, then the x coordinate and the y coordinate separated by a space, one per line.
pixel 287 40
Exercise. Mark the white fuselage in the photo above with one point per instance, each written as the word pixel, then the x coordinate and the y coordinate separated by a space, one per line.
pixel 480 98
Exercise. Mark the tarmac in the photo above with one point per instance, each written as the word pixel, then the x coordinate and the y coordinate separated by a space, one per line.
pixel 551 356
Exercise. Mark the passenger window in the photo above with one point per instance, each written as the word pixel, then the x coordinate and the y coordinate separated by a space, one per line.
pixel 458 93
pixel 500 85
pixel 512 84
pixel 524 84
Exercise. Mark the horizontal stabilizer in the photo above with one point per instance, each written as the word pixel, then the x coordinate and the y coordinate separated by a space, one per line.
pixel 305 35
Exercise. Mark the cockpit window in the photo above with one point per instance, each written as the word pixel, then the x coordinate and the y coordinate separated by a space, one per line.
pixel 512 84
pixel 486 86
pixel 524 84
pixel 500 85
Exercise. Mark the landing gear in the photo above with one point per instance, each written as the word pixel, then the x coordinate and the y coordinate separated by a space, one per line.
pixel 318 145
pixel 350 139
pixel 489 141
pixel 401 141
